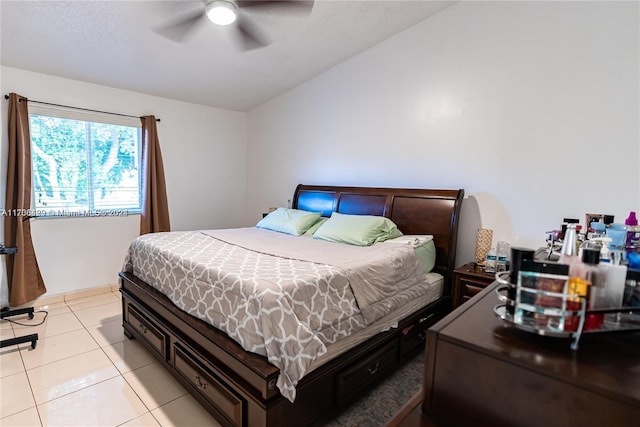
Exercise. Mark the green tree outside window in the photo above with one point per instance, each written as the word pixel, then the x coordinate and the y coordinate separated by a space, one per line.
pixel 84 168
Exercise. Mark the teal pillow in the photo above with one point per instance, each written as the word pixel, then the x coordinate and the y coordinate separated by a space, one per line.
pixel 289 221
pixel 360 230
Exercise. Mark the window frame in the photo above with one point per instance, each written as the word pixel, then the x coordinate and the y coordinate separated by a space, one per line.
pixel 62 112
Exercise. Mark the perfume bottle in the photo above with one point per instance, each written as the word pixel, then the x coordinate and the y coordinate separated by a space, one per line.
pixel 591 258
pixel 579 280
pixel 633 233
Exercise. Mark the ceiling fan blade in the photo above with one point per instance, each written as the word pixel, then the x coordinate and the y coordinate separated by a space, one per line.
pixel 179 29
pixel 300 6
pixel 249 34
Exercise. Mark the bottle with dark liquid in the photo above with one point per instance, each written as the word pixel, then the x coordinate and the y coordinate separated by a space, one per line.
pixel 517 256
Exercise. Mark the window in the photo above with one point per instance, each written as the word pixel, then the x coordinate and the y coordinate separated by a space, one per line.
pixel 84 163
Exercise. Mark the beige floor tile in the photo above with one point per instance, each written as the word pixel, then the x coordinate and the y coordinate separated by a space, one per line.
pixel 107 333
pixel 42 301
pixel 4 324
pixel 182 412
pixel 109 403
pixel 145 420
pixel 154 385
pixel 10 361
pixel 53 325
pixel 84 371
pixel 28 418
pixel 100 313
pixel 6 333
pixel 16 394
pixel 66 376
pixel 92 301
pixel 57 347
pixel 128 355
pixel 53 309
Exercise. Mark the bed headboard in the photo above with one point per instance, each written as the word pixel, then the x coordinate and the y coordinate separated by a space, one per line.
pixel 414 211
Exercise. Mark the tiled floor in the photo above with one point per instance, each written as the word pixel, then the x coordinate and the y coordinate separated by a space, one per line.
pixel 85 372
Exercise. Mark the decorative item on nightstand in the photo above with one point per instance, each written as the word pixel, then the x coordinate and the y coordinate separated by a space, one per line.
pixel 484 239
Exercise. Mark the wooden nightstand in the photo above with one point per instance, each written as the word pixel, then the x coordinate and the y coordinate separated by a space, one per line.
pixel 468 280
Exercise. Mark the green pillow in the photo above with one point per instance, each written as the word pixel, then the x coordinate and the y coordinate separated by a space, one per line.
pixel 427 255
pixel 423 246
pixel 289 221
pixel 360 230
pixel 315 226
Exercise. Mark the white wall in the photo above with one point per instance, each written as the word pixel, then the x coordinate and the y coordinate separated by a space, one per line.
pixel 532 108
pixel 204 151
pixel 515 102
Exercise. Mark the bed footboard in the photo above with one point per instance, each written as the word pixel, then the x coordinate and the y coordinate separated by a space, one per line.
pixel 237 387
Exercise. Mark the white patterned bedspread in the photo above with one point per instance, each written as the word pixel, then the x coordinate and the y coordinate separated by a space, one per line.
pixel 280 296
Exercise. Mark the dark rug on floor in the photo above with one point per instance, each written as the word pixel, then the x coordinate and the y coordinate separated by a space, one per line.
pixel 378 406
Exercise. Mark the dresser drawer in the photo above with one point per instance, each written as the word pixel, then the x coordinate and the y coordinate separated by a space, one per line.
pixel 225 401
pixel 152 334
pixel 363 373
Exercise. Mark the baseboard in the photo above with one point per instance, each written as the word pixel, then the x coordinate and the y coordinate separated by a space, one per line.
pixel 70 296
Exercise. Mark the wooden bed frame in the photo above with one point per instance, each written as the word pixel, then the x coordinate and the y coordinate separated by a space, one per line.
pixel 238 387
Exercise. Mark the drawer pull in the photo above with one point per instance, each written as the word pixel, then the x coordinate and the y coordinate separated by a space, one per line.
pixel 200 384
pixel 143 328
pixel 424 319
pixel 373 370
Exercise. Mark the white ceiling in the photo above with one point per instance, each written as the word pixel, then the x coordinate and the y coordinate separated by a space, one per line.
pixel 112 43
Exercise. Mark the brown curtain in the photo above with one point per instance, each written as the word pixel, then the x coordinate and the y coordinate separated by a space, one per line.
pixel 23 274
pixel 155 208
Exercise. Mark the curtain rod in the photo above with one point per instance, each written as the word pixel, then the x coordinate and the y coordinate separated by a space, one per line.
pixel 80 108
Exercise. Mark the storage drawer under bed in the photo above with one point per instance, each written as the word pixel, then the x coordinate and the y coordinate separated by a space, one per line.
pixel 227 402
pixel 148 330
pixel 367 370
pixel 412 336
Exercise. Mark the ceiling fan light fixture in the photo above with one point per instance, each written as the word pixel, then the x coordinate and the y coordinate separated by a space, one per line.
pixel 222 12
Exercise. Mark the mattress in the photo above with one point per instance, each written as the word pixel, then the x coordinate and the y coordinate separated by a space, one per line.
pixel 287 298
pixel 390 321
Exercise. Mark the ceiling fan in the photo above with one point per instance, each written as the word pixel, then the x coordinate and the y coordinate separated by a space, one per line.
pixel 232 12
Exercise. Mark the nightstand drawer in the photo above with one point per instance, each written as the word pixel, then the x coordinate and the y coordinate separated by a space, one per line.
pixel 469 280
pixel 471 289
pixel 469 283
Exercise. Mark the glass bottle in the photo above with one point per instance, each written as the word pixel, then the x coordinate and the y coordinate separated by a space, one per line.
pixel 579 283
pixel 568 257
pixel 591 257
pixel 633 233
pixel 490 262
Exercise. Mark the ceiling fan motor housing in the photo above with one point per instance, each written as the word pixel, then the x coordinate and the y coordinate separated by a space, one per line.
pixel 221 12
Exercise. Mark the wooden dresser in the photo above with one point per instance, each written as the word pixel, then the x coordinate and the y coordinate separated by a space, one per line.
pixel 479 371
